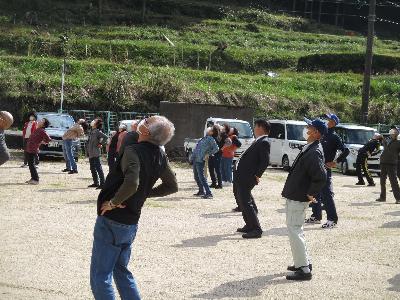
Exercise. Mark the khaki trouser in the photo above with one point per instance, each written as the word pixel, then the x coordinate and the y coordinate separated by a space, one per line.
pixel 295 215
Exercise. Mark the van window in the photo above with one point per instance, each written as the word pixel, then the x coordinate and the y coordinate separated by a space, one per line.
pixel 357 136
pixel 277 131
pixel 245 131
pixel 295 132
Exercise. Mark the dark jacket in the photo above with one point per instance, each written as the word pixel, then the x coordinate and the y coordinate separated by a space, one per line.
pixel 371 147
pixel 253 162
pixel 391 151
pixel 4 154
pixel 307 175
pixel 331 143
pixel 131 182
pixel 130 138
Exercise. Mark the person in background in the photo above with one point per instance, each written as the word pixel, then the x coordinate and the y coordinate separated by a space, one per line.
pixel 331 143
pixel 38 137
pixel 72 134
pixel 120 203
pixel 6 120
pixel 206 146
pixel 369 149
pixel 28 129
pixel 214 161
pixel 305 181
pixel 121 136
pixel 248 170
pixel 389 161
pixel 112 146
pixel 97 139
pixel 228 153
pixel 131 137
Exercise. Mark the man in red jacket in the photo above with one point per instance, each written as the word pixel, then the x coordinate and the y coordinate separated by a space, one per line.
pixel 29 128
pixel 37 138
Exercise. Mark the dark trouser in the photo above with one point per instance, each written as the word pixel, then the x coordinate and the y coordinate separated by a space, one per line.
pixel 214 166
pixel 97 170
pixel 25 144
pixel 247 205
pixel 326 197
pixel 362 166
pixel 398 169
pixel 391 172
pixel 111 159
pixel 31 163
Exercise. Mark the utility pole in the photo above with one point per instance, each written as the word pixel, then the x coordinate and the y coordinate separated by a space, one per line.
pixel 62 85
pixel 368 62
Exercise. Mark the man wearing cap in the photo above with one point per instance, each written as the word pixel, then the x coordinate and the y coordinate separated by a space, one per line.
pixel 331 143
pixel 305 181
pixel 369 149
pixel 389 160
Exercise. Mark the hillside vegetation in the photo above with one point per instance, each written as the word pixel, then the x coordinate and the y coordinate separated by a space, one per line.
pixel 224 59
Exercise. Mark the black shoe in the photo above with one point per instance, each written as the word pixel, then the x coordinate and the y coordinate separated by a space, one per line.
pixel 66 170
pixel 93 185
pixel 294 269
pixel 371 184
pixel 236 209
pixel 214 186
pixel 243 230
pixel 254 234
pixel 299 275
pixel 380 200
pixel 73 172
pixel 99 187
pixel 199 194
pixel 218 187
pixel 360 183
pixel 207 196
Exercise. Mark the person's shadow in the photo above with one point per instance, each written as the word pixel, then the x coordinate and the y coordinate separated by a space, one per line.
pixel 206 241
pixel 247 288
pixel 395 282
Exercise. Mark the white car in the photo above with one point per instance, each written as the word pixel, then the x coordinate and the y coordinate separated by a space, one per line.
pixel 286 137
pixel 355 137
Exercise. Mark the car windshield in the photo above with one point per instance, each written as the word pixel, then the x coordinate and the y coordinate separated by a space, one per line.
pixel 295 132
pixel 357 136
pixel 58 121
pixel 244 129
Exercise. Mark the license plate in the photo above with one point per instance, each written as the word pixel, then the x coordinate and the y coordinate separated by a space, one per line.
pixel 53 144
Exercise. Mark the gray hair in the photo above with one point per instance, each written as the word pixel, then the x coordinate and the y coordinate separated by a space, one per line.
pixel 161 130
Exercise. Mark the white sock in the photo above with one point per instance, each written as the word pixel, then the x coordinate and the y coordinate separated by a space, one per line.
pixel 306 269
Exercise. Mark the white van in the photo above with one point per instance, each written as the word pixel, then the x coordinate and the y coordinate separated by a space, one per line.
pixel 355 137
pixel 286 136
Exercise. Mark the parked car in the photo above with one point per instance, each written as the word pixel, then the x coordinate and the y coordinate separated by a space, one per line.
pixel 286 139
pixel 246 135
pixel 355 137
pixel 59 124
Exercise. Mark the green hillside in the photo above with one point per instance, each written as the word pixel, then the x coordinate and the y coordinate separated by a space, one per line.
pixel 192 58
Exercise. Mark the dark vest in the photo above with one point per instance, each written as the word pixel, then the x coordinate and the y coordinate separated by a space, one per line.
pixel 153 162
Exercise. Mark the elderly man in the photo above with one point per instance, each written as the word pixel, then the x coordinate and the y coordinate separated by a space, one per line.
pixel 120 203
pixel 389 160
pixel 72 134
pixel 304 182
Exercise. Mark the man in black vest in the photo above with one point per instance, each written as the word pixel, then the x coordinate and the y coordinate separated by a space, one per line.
pixel 120 203
pixel 247 173
pixel 305 181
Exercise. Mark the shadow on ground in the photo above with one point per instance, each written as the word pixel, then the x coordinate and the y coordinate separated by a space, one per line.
pixel 207 241
pixel 220 215
pixel 395 282
pixel 12 184
pixel 282 231
pixel 83 202
pixel 393 213
pixel 247 288
pixel 365 204
pixel 392 224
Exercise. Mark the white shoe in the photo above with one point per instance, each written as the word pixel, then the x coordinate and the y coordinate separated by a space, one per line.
pixel 329 225
pixel 32 182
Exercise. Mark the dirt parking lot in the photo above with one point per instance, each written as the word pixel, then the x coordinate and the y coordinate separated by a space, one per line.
pixel 187 248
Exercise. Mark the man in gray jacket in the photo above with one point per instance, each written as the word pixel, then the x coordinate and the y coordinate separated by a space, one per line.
pixel 305 181
pixel 389 160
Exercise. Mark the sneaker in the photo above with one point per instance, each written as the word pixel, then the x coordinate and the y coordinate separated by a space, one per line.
pixel 198 194
pixel 360 183
pixel 236 209
pixel 312 220
pixel 371 184
pixel 294 269
pixel 24 166
pixel 207 196
pixel 329 225
pixel 218 187
pixel 33 182
pixel 73 172
pixel 99 187
pixel 253 234
pixel 66 170
pixel 380 200
pixel 93 185
pixel 299 276
pixel 243 230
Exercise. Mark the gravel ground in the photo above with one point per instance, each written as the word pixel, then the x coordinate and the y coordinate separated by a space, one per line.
pixel 187 247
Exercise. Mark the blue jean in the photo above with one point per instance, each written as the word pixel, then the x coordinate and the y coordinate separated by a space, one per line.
pixel 97 170
pixel 112 245
pixel 69 155
pixel 326 197
pixel 198 171
pixel 226 169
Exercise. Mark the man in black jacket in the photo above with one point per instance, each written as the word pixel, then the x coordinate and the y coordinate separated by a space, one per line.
pixel 304 182
pixel 369 149
pixel 120 203
pixel 248 171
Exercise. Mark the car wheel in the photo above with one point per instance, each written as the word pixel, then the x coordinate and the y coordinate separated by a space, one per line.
pixel 285 163
pixel 345 168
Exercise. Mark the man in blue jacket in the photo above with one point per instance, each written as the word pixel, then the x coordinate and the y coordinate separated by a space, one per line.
pixel 331 143
pixel 304 182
